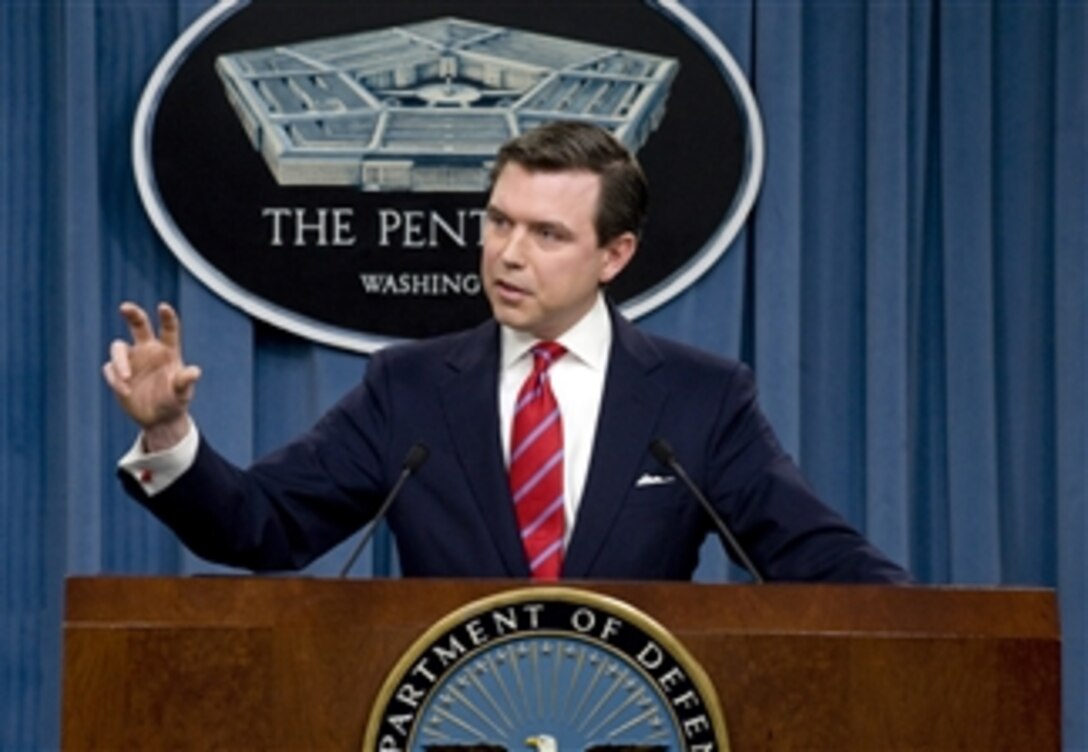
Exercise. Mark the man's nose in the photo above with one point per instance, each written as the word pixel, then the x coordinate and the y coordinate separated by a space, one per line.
pixel 513 249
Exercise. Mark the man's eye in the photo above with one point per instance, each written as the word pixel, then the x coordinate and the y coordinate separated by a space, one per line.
pixel 498 222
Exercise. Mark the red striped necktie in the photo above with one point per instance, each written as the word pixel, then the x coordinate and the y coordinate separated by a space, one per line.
pixel 536 466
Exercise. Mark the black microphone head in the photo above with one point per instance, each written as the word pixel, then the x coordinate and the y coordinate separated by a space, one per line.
pixel 416 456
pixel 660 449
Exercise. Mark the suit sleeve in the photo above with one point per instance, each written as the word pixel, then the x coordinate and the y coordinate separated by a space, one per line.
pixel 292 505
pixel 789 533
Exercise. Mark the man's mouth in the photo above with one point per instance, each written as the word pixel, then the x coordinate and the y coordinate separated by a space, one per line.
pixel 508 290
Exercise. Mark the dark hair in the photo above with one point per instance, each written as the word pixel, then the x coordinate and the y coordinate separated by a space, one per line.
pixel 567 145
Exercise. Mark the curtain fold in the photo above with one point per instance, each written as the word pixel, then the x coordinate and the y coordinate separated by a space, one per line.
pixel 911 290
pixel 1069 213
pixel 966 103
pixel 889 154
pixel 775 248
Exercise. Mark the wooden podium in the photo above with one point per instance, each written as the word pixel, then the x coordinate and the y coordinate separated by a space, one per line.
pixel 295 664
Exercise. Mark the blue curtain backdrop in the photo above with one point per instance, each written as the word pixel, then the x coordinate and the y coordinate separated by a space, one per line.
pixel 912 292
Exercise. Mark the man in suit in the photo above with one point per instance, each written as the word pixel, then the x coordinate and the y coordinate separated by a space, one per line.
pixel 538 422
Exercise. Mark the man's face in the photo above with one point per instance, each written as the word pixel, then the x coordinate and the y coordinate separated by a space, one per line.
pixel 541 262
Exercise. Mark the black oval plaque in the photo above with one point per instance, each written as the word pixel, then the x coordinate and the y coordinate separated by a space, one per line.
pixel 322 165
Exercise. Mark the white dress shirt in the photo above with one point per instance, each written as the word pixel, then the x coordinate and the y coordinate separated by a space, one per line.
pixel 156 470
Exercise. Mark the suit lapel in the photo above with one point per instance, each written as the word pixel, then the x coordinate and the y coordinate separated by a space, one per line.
pixel 470 400
pixel 630 407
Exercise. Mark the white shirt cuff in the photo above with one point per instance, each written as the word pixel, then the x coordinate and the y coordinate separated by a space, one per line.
pixel 155 471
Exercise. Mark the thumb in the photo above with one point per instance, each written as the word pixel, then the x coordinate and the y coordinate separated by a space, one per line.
pixel 185 380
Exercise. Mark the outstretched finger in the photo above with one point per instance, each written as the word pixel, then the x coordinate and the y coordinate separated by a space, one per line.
pixel 138 324
pixel 117 384
pixel 169 326
pixel 119 359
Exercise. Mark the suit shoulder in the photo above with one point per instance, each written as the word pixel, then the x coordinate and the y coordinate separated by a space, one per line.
pixel 694 362
pixel 431 350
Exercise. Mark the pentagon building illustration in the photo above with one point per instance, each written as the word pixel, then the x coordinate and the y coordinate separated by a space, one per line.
pixel 424 107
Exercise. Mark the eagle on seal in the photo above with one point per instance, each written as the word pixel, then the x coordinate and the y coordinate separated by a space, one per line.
pixel 544 743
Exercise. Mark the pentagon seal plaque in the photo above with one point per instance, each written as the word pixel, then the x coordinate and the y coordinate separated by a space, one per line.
pixel 550 668
pixel 323 164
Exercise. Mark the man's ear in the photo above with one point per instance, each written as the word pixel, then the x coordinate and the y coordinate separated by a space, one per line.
pixel 618 252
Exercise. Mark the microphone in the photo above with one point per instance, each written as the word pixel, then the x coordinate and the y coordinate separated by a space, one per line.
pixel 415 458
pixel 661 450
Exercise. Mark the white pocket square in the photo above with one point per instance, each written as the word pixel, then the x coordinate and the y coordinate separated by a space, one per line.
pixel 647 479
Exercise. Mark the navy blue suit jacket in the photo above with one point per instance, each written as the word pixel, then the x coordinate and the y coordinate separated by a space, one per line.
pixel 455 518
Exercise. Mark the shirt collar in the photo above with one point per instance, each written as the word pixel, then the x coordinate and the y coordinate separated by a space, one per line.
pixel 588 340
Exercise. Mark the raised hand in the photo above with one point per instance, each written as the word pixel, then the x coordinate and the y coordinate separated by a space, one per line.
pixel 149 377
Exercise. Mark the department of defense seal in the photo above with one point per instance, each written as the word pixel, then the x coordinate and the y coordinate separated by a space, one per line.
pixel 550 668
